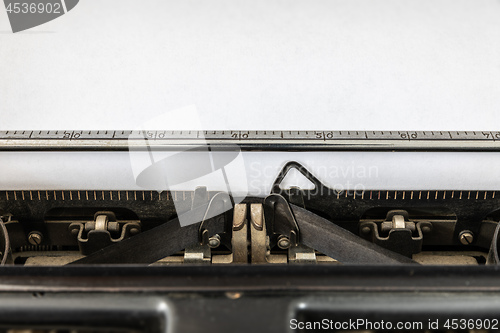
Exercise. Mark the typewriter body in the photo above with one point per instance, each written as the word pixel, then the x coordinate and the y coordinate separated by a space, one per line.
pixel 203 260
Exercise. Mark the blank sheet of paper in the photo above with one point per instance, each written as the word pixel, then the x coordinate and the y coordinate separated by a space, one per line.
pixel 246 64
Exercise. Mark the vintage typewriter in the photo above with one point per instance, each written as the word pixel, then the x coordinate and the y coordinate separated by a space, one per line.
pixel 199 260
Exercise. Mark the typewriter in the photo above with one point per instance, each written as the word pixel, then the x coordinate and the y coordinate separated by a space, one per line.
pixel 292 259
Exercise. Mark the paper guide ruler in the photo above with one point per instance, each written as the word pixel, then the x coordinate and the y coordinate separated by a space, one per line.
pixel 252 140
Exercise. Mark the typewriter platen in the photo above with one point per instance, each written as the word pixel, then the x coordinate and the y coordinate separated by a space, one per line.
pixel 290 251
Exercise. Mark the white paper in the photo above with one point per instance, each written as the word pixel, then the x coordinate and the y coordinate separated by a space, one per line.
pixel 265 64
pixel 340 170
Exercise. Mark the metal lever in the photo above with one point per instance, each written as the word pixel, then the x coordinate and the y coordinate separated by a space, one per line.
pixel 166 239
pixel 493 257
pixel 325 236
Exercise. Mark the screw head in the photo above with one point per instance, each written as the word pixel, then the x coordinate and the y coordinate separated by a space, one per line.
pixel 366 230
pixel 214 241
pixel 283 242
pixel 233 294
pixel 35 238
pixel 426 229
pixel 134 231
pixel 466 237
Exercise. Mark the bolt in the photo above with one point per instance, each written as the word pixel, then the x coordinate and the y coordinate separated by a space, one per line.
pixel 283 242
pixel 35 238
pixel 134 231
pixel 426 229
pixel 214 241
pixel 233 294
pixel 366 230
pixel 466 237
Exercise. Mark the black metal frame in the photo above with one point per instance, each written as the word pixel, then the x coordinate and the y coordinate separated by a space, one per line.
pixel 206 298
pixel 254 278
pixel 190 298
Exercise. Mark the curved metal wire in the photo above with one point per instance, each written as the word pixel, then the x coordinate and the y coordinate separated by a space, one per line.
pixel 7 242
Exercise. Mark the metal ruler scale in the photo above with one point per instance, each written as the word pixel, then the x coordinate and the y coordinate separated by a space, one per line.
pixel 251 140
